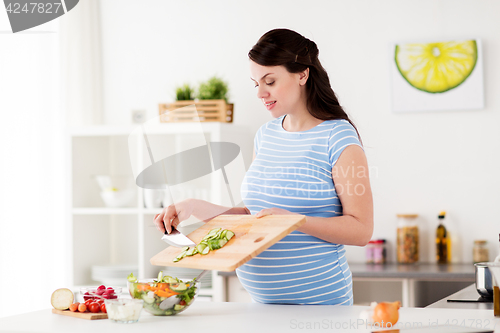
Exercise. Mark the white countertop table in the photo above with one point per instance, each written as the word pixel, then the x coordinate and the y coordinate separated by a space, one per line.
pixel 249 317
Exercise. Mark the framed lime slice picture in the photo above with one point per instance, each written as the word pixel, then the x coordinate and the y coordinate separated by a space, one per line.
pixel 436 67
pixel 439 75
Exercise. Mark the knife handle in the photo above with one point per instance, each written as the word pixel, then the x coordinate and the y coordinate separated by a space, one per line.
pixel 174 231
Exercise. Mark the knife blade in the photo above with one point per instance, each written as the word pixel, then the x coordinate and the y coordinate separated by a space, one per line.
pixel 177 239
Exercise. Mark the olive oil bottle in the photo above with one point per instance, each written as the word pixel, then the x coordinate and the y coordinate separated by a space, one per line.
pixel 443 244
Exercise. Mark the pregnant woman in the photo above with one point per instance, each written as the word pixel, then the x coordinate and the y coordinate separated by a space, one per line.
pixel 309 160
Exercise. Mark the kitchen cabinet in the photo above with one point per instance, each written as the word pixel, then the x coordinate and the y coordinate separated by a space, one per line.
pixel 413 285
pixel 466 298
pixel 126 235
pixel 235 291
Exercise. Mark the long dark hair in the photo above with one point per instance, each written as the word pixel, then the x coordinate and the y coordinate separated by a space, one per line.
pixel 284 47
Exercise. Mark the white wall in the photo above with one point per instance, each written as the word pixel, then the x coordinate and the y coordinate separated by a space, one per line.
pixel 422 162
pixel 32 169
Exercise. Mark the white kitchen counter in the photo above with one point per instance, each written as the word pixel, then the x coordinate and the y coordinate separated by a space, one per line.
pixel 469 293
pixel 249 317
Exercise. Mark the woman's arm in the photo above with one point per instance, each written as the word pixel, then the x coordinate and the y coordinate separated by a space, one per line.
pixel 352 183
pixel 206 211
pixel 202 210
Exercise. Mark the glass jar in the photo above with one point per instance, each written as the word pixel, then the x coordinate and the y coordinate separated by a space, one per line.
pixel 369 251
pixel 407 239
pixel 379 252
pixel 480 251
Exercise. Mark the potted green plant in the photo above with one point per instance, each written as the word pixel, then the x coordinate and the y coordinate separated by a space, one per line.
pixel 211 103
pixel 184 93
pixel 214 88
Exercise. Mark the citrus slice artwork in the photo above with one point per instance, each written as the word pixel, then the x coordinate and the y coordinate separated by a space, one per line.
pixel 436 67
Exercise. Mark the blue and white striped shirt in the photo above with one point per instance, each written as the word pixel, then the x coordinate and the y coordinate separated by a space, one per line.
pixel 293 171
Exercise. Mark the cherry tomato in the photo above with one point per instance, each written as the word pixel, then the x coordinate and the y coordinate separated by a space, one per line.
pixel 100 301
pixel 82 307
pixel 94 307
pixel 87 302
pixel 183 302
pixel 103 308
pixel 74 307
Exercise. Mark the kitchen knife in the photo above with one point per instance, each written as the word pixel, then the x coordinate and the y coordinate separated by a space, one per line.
pixel 176 238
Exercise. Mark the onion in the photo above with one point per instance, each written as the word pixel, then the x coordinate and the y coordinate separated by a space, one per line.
pixel 62 298
pixel 385 313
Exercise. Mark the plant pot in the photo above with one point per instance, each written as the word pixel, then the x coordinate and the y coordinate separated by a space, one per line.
pixel 208 110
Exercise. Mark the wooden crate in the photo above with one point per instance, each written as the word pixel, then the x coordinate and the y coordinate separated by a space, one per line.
pixel 190 111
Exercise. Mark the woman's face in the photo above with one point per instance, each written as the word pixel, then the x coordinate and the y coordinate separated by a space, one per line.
pixel 281 92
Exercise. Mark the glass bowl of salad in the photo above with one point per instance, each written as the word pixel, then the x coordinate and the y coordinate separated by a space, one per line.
pixel 164 296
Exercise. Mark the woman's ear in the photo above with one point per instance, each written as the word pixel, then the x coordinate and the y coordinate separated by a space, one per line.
pixel 303 76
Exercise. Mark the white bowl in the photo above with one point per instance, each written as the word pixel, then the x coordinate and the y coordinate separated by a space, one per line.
pixel 124 310
pixel 118 198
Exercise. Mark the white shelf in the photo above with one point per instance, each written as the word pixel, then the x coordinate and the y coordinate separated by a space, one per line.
pixel 127 234
pixel 151 211
pixel 160 128
pixel 115 211
pixel 105 211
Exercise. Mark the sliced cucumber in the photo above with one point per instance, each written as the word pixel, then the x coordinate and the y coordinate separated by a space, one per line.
pixel 209 236
pixel 213 244
pixel 180 256
pixel 212 233
pixel 229 235
pixel 131 278
pixel 190 252
pixel 178 307
pixel 213 240
pixel 148 299
pixel 169 279
pixel 160 275
pixel 179 287
pixel 215 230
pixel 200 247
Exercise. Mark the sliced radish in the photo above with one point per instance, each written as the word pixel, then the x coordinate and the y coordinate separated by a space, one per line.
pixel 61 299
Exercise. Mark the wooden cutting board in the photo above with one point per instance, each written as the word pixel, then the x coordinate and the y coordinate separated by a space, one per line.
pixel 252 236
pixel 82 315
